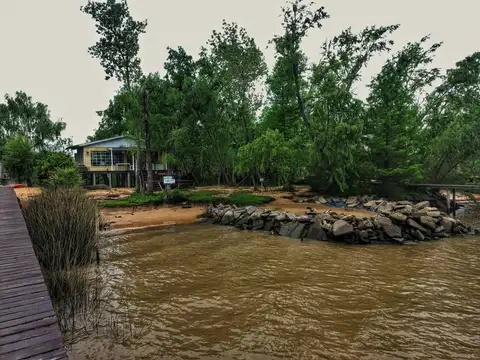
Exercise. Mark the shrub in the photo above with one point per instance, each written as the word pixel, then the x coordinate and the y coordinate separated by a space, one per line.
pixel 63 228
pixel 47 163
pixel 63 178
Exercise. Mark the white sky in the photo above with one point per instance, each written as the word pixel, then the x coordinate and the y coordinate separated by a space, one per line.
pixel 44 42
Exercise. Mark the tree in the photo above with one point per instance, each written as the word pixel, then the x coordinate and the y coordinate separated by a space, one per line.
pixel 118 48
pixel 20 115
pixel 337 113
pixel 393 117
pixel 299 18
pixel 19 158
pixel 451 124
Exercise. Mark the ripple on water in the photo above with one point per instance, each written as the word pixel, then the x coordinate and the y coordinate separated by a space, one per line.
pixel 217 293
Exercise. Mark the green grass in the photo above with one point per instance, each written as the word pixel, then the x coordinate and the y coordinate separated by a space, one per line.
pixel 135 200
pixel 195 197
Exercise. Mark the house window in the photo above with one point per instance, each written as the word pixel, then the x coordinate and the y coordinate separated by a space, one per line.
pixel 118 158
pixel 101 158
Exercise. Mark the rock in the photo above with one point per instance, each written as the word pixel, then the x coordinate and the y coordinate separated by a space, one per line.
pixel 298 231
pixel 422 205
pixel 398 217
pixel 430 208
pixel 238 212
pixel 447 224
pixel 433 213
pixel 428 222
pixel 419 235
pixel 268 225
pixel 381 221
pixel 404 202
pixel 241 220
pixel 250 209
pixel 439 229
pixel 227 218
pixel 393 231
pixel 342 228
pixel 286 229
pixel 281 217
pixel 363 236
pixel 316 231
pixel 257 224
pixel 348 218
pixel 291 217
pixel 321 200
pixel 370 204
pixel 405 209
pixel 412 223
pixel 398 240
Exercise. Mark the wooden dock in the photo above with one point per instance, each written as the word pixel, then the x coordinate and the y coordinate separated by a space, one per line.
pixel 28 325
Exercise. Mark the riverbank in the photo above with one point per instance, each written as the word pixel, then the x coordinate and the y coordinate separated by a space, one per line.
pixel 123 213
pixel 398 223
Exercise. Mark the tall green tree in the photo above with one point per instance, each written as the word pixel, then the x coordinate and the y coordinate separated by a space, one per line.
pixel 337 113
pixel 451 124
pixel 20 115
pixel 117 49
pixel 299 17
pixel 394 114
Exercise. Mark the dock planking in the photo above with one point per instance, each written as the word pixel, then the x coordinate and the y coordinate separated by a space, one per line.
pixel 28 325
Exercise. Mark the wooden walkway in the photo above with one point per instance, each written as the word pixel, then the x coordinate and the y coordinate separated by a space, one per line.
pixel 28 325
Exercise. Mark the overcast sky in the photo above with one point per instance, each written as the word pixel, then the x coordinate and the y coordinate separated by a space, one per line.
pixel 44 42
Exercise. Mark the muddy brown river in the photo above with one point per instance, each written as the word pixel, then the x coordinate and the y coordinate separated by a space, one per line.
pixel 202 292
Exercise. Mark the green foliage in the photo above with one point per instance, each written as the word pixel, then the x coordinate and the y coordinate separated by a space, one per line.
pixel 136 199
pixel 19 158
pixel 118 45
pixel 47 163
pixel 20 115
pixel 63 178
pixel 195 197
pixel 207 115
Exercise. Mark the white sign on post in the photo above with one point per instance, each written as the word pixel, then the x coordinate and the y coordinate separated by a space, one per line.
pixel 168 180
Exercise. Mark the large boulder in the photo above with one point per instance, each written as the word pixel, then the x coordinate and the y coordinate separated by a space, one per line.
pixel 316 231
pixel 447 224
pixel 298 230
pixel 392 231
pixel 422 205
pixel 412 223
pixel 342 228
pixel 227 218
pixel 398 217
pixel 286 229
pixel 428 222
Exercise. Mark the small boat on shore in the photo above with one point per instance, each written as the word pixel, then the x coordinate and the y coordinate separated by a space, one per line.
pixel 14 186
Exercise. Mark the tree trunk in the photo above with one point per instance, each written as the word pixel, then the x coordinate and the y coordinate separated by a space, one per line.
pixel 138 171
pixel 298 93
pixel 148 150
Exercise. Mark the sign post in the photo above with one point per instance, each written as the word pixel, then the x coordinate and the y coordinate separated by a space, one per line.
pixel 168 181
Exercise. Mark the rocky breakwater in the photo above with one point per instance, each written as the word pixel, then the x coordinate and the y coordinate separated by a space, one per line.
pixel 398 224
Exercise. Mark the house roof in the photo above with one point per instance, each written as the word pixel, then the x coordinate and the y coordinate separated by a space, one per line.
pixel 97 142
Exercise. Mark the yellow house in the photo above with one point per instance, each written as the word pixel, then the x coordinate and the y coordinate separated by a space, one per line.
pixel 111 161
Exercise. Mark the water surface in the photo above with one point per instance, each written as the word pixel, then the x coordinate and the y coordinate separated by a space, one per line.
pixel 201 292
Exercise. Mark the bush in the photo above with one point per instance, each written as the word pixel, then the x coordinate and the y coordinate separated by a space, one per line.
pixel 63 178
pixel 63 228
pixel 48 163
